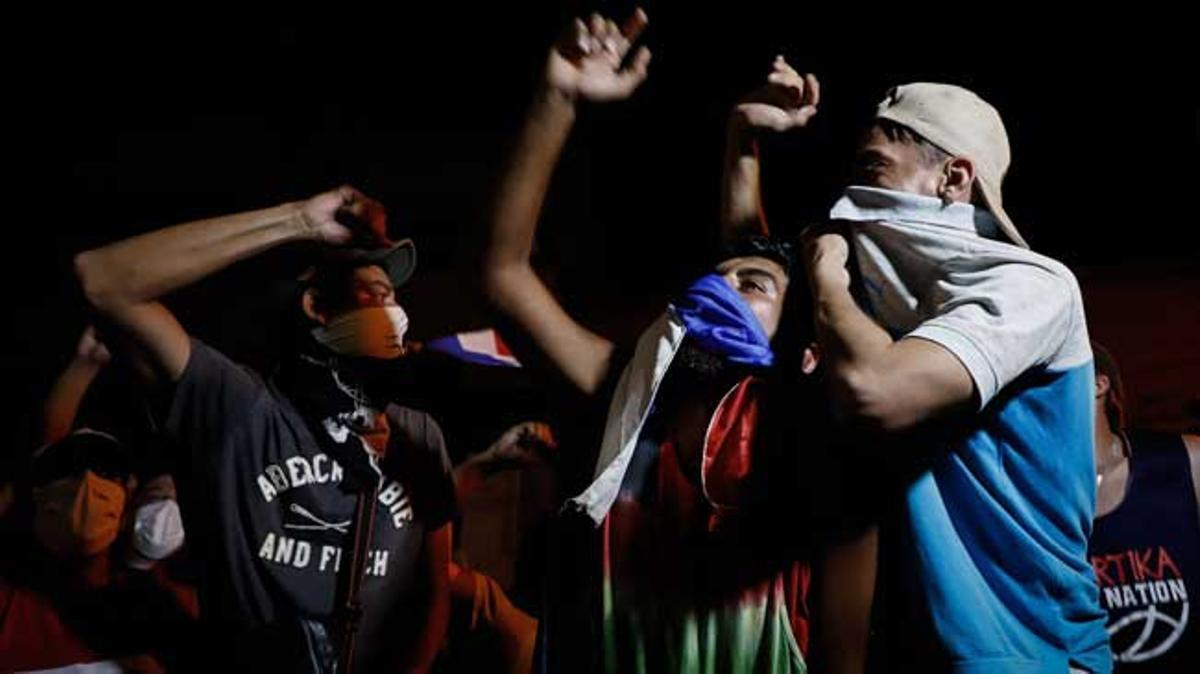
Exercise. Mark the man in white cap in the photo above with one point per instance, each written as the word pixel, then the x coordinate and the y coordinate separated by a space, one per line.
pixel 967 345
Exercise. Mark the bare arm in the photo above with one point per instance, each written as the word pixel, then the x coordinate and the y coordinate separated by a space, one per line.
pixel 846 590
pixel 521 446
pixel 585 64
pixel 741 189
pixel 787 102
pixel 62 404
pixel 435 557
pixel 877 383
pixel 1192 442
pixel 123 281
pixel 509 280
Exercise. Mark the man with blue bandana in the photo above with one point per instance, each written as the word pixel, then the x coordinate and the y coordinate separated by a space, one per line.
pixel 691 569
pixel 970 351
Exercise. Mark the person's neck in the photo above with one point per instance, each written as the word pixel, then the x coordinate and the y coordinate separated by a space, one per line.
pixel 688 418
pixel 1110 449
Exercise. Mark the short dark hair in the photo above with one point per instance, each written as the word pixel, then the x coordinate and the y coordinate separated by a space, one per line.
pixel 759 245
pixel 795 320
pixel 931 155
pixel 1114 400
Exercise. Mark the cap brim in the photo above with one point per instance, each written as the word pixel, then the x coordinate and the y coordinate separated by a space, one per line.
pixel 992 200
pixel 399 260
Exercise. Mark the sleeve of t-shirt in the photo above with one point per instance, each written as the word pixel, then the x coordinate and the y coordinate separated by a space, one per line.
pixel 211 399
pixel 434 499
pixel 1013 320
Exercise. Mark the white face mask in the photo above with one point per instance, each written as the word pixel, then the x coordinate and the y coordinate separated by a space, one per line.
pixel 157 529
pixel 376 332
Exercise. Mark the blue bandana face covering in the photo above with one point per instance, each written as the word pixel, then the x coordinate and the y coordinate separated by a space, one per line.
pixel 720 322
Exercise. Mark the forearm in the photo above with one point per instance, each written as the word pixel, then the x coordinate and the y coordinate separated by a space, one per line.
pixel 149 266
pixel 429 644
pixel 850 340
pixel 523 187
pixel 846 593
pixel 468 477
pixel 741 191
pixel 62 403
pixel 852 347
pixel 877 383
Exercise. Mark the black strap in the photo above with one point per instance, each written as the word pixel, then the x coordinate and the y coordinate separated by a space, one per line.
pixel 321 389
pixel 347 607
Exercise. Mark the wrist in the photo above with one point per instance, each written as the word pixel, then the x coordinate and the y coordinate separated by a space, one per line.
pixel 739 134
pixel 554 100
pixel 298 225
pixel 85 365
pixel 830 283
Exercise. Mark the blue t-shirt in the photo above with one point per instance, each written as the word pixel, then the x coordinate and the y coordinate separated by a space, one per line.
pixel 996 529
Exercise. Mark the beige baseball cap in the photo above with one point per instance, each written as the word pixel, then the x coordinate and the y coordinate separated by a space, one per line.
pixel 961 123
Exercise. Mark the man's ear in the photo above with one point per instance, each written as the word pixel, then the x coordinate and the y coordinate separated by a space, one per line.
pixel 958 178
pixel 308 302
pixel 811 358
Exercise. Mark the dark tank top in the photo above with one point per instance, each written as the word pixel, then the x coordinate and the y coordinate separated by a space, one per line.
pixel 1146 555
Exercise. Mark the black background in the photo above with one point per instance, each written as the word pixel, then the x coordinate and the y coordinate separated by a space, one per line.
pixel 130 122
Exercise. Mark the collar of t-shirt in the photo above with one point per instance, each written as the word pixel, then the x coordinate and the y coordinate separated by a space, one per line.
pixel 875 204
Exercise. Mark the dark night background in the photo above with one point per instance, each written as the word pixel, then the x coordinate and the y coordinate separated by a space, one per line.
pixel 135 122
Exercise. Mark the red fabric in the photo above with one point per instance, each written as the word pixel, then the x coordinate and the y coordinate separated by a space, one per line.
pixel 728 450
pixel 728 464
pixel 653 550
pixel 501 347
pixel 32 636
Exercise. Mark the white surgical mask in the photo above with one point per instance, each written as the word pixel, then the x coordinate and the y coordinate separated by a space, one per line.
pixel 376 332
pixel 157 529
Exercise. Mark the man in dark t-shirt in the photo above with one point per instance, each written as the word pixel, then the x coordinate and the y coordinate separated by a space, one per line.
pixel 274 467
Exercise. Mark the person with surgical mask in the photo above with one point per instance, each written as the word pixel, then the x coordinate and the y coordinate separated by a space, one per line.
pixel 69 601
pixel 80 489
pixel 157 528
pixel 282 464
